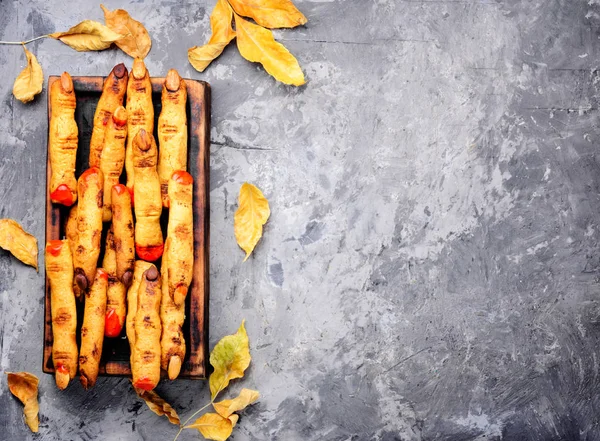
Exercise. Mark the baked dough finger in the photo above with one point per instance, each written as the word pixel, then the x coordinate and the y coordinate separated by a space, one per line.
pixel 172 131
pixel 113 157
pixel 140 112
pixel 132 299
pixel 63 138
pixel 115 291
pixel 123 229
pixel 180 235
pixel 59 270
pixel 92 330
pixel 89 229
pixel 113 93
pixel 148 206
pixel 145 367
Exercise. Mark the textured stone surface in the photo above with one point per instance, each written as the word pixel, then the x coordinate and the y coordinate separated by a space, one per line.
pixel 430 267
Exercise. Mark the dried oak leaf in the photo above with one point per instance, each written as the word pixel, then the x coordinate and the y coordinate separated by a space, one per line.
pixel 24 386
pixel 230 357
pixel 137 42
pixel 270 13
pixel 257 44
pixel 222 34
pixel 252 213
pixel 213 426
pixel 89 35
pixel 21 244
pixel 158 405
pixel 30 81
pixel 246 397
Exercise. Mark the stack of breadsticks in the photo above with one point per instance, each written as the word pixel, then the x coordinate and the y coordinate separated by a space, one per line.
pixel 130 290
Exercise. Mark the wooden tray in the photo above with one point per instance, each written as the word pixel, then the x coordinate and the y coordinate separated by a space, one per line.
pixel 115 353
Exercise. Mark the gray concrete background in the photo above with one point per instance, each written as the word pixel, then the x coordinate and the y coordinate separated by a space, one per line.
pixel 430 268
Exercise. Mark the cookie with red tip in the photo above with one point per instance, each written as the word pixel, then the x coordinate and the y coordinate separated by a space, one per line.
pixel 120 188
pixel 64 195
pixel 112 324
pixel 150 253
pixel 145 383
pixel 90 173
pixel 101 273
pixel 54 247
pixel 182 177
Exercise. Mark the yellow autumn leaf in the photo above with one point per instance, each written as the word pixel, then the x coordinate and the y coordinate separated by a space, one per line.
pixel 230 358
pixel 30 81
pixel 21 244
pixel 158 405
pixel 89 35
pixel 222 34
pixel 24 386
pixel 252 213
pixel 137 42
pixel 270 13
pixel 257 44
pixel 246 397
pixel 234 419
pixel 213 426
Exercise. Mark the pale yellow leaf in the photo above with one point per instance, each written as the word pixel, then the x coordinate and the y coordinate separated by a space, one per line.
pixel 213 426
pixel 230 358
pixel 24 386
pixel 270 13
pixel 246 397
pixel 222 34
pixel 137 42
pixel 201 56
pixel 89 35
pixel 252 213
pixel 234 419
pixel 21 244
pixel 158 405
pixel 258 45
pixel 30 81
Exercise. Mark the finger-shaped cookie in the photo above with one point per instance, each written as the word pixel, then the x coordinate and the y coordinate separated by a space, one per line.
pixel 59 270
pixel 172 131
pixel 148 206
pixel 145 368
pixel 132 299
pixel 122 224
pixel 113 157
pixel 180 236
pixel 115 292
pixel 140 112
pixel 113 92
pixel 172 341
pixel 89 228
pixel 63 137
pixel 92 330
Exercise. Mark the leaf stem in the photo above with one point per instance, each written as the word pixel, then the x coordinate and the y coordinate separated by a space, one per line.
pixel 188 420
pixel 25 42
pixel 197 412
